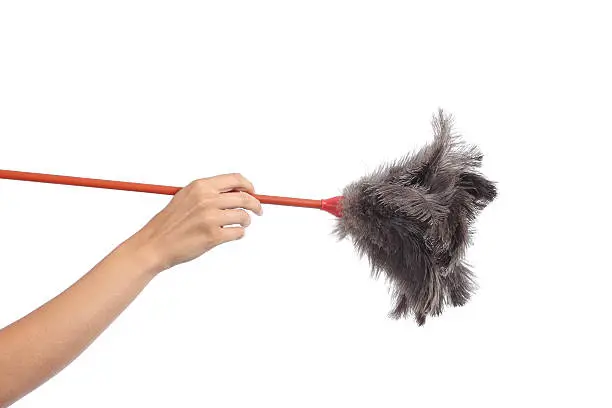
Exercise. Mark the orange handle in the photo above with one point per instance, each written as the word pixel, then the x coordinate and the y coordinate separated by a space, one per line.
pixel 140 187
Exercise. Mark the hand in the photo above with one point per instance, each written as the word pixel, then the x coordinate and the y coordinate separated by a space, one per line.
pixel 198 218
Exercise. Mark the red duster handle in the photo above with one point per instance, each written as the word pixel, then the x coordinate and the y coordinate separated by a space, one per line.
pixel 331 205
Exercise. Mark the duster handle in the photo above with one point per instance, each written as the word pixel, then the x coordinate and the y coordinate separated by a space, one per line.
pixel 152 188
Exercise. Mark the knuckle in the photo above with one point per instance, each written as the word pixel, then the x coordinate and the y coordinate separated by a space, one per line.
pixel 216 236
pixel 203 194
pixel 245 197
pixel 245 218
pixel 239 178
pixel 239 233
pixel 236 177
pixel 208 218
pixel 203 201
pixel 255 205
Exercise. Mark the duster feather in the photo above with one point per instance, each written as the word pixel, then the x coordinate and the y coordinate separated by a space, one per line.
pixel 413 218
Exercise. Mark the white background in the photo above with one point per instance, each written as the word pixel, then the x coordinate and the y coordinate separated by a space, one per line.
pixel 302 98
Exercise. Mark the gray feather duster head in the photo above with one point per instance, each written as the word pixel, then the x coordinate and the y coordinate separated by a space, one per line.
pixel 412 219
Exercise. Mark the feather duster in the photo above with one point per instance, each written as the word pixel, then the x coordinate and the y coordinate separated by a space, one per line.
pixel 412 219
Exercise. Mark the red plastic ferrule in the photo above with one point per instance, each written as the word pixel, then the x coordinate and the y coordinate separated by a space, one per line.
pixel 333 205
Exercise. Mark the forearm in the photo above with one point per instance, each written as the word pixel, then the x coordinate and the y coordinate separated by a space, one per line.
pixel 39 345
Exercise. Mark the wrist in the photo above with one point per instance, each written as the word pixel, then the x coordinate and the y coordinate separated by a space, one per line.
pixel 146 257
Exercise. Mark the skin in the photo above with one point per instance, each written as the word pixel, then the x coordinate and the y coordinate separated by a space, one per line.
pixel 204 214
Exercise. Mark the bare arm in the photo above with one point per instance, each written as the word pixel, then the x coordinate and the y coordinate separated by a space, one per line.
pixel 198 218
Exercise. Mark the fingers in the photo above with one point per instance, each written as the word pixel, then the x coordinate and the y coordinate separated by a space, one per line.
pixel 240 200
pixel 229 182
pixel 231 233
pixel 231 217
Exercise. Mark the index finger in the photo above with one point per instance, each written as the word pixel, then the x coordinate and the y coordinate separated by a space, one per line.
pixel 233 181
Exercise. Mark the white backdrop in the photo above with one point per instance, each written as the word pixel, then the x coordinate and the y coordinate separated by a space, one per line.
pixel 302 98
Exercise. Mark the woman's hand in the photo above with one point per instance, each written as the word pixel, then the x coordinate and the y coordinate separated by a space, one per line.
pixel 204 214
pixel 198 218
